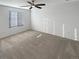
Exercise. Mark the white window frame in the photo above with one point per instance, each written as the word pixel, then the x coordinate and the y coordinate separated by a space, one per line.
pixel 14 19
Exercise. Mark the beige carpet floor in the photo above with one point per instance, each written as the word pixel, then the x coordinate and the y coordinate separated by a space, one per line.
pixel 38 45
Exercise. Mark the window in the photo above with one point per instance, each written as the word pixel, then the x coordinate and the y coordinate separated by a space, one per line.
pixel 15 19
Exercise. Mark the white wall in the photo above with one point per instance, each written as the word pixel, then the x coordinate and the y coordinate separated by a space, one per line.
pixel 51 18
pixel 4 21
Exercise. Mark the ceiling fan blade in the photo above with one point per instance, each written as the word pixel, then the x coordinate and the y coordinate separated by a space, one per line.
pixel 31 7
pixel 29 2
pixel 38 7
pixel 40 4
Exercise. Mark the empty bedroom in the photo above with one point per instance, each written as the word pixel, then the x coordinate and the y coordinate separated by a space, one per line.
pixel 39 29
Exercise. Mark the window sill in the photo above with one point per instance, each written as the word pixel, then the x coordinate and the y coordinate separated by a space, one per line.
pixel 16 26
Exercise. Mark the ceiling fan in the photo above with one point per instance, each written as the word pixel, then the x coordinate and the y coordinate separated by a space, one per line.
pixel 32 4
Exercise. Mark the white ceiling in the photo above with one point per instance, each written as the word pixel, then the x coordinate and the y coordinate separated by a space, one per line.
pixel 23 2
